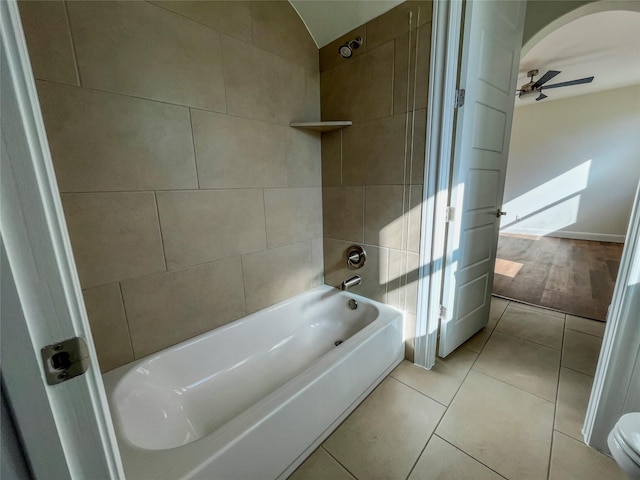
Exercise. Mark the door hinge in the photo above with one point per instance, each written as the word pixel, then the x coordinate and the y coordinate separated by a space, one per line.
pixel 443 312
pixel 65 360
pixel 450 214
pixel 460 97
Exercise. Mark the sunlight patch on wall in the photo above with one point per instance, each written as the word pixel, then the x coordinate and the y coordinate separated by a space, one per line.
pixel 548 207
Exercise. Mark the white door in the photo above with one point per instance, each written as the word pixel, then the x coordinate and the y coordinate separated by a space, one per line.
pixel 66 429
pixel 489 66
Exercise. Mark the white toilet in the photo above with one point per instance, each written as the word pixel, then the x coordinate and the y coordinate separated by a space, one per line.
pixel 624 443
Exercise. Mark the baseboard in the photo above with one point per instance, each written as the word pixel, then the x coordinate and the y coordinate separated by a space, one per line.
pixel 596 237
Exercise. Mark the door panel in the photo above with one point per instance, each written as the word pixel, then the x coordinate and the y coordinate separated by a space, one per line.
pixel 489 65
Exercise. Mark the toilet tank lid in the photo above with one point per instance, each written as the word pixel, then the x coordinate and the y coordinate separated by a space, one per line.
pixel 628 427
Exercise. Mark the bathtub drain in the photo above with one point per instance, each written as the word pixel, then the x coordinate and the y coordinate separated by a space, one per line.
pixel 337 342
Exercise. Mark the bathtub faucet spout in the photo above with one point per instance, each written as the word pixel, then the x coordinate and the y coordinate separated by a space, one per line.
pixel 351 282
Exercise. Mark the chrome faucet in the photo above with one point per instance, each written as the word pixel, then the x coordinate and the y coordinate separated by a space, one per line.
pixel 351 282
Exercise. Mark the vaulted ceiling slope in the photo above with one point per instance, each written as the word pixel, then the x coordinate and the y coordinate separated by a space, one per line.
pixel 327 20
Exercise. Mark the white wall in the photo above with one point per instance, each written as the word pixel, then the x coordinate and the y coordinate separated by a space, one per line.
pixel 574 165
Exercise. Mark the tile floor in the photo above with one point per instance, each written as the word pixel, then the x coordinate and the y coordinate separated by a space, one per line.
pixel 508 404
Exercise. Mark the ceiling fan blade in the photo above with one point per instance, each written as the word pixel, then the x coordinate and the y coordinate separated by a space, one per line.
pixel 545 78
pixel 571 82
pixel 541 97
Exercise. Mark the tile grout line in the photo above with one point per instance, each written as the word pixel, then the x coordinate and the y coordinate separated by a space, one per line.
pixel 475 459
pixel 526 339
pixel 453 399
pixel 73 45
pixel 555 406
pixel 164 253
pixel 126 317
pixel 335 459
pixel 193 146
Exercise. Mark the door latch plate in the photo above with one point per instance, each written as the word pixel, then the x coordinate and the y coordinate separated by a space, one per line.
pixel 65 360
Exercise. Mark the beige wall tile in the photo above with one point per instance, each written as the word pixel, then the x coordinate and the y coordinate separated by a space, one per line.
pixel 329 56
pixel 396 21
pixel 403 280
pixel 261 85
pixel 207 225
pixel 304 158
pixel 312 90
pixel 114 236
pixel 317 261
pixel 409 336
pixel 274 275
pixel 332 158
pixel 234 152
pixel 373 152
pixel 414 218
pixel 105 142
pixel 383 215
pixel 374 273
pixel 171 307
pixel 343 213
pixel 361 89
pixel 230 17
pixel 140 49
pixel 419 125
pixel 278 29
pixel 109 327
pixel 50 48
pixel 411 70
pixel 292 215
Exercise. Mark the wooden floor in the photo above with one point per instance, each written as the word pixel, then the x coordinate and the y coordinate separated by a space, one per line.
pixel 572 276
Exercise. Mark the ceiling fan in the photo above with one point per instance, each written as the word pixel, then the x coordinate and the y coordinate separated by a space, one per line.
pixel 537 86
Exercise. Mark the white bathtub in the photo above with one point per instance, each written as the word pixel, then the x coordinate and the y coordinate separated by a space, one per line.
pixel 252 399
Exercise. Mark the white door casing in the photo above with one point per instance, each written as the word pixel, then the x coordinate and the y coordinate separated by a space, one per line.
pixel 489 66
pixel 66 429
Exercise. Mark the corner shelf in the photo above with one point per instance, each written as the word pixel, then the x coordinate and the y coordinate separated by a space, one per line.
pixel 322 126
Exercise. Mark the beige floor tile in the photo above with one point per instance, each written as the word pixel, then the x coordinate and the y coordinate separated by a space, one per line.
pixel 523 364
pixel 573 397
pixel 383 437
pixel 505 428
pixel 441 382
pixel 585 325
pixel 320 466
pixel 580 352
pixel 532 325
pixel 498 306
pixel 442 461
pixel 573 459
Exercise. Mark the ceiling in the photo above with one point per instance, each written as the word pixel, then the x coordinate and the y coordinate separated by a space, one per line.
pixel 327 20
pixel 605 45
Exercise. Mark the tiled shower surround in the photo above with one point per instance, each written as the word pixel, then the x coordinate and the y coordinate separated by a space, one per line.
pixel 190 202
pixel 372 172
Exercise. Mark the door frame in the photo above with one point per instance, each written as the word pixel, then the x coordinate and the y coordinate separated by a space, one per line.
pixel 441 116
pixel 66 429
